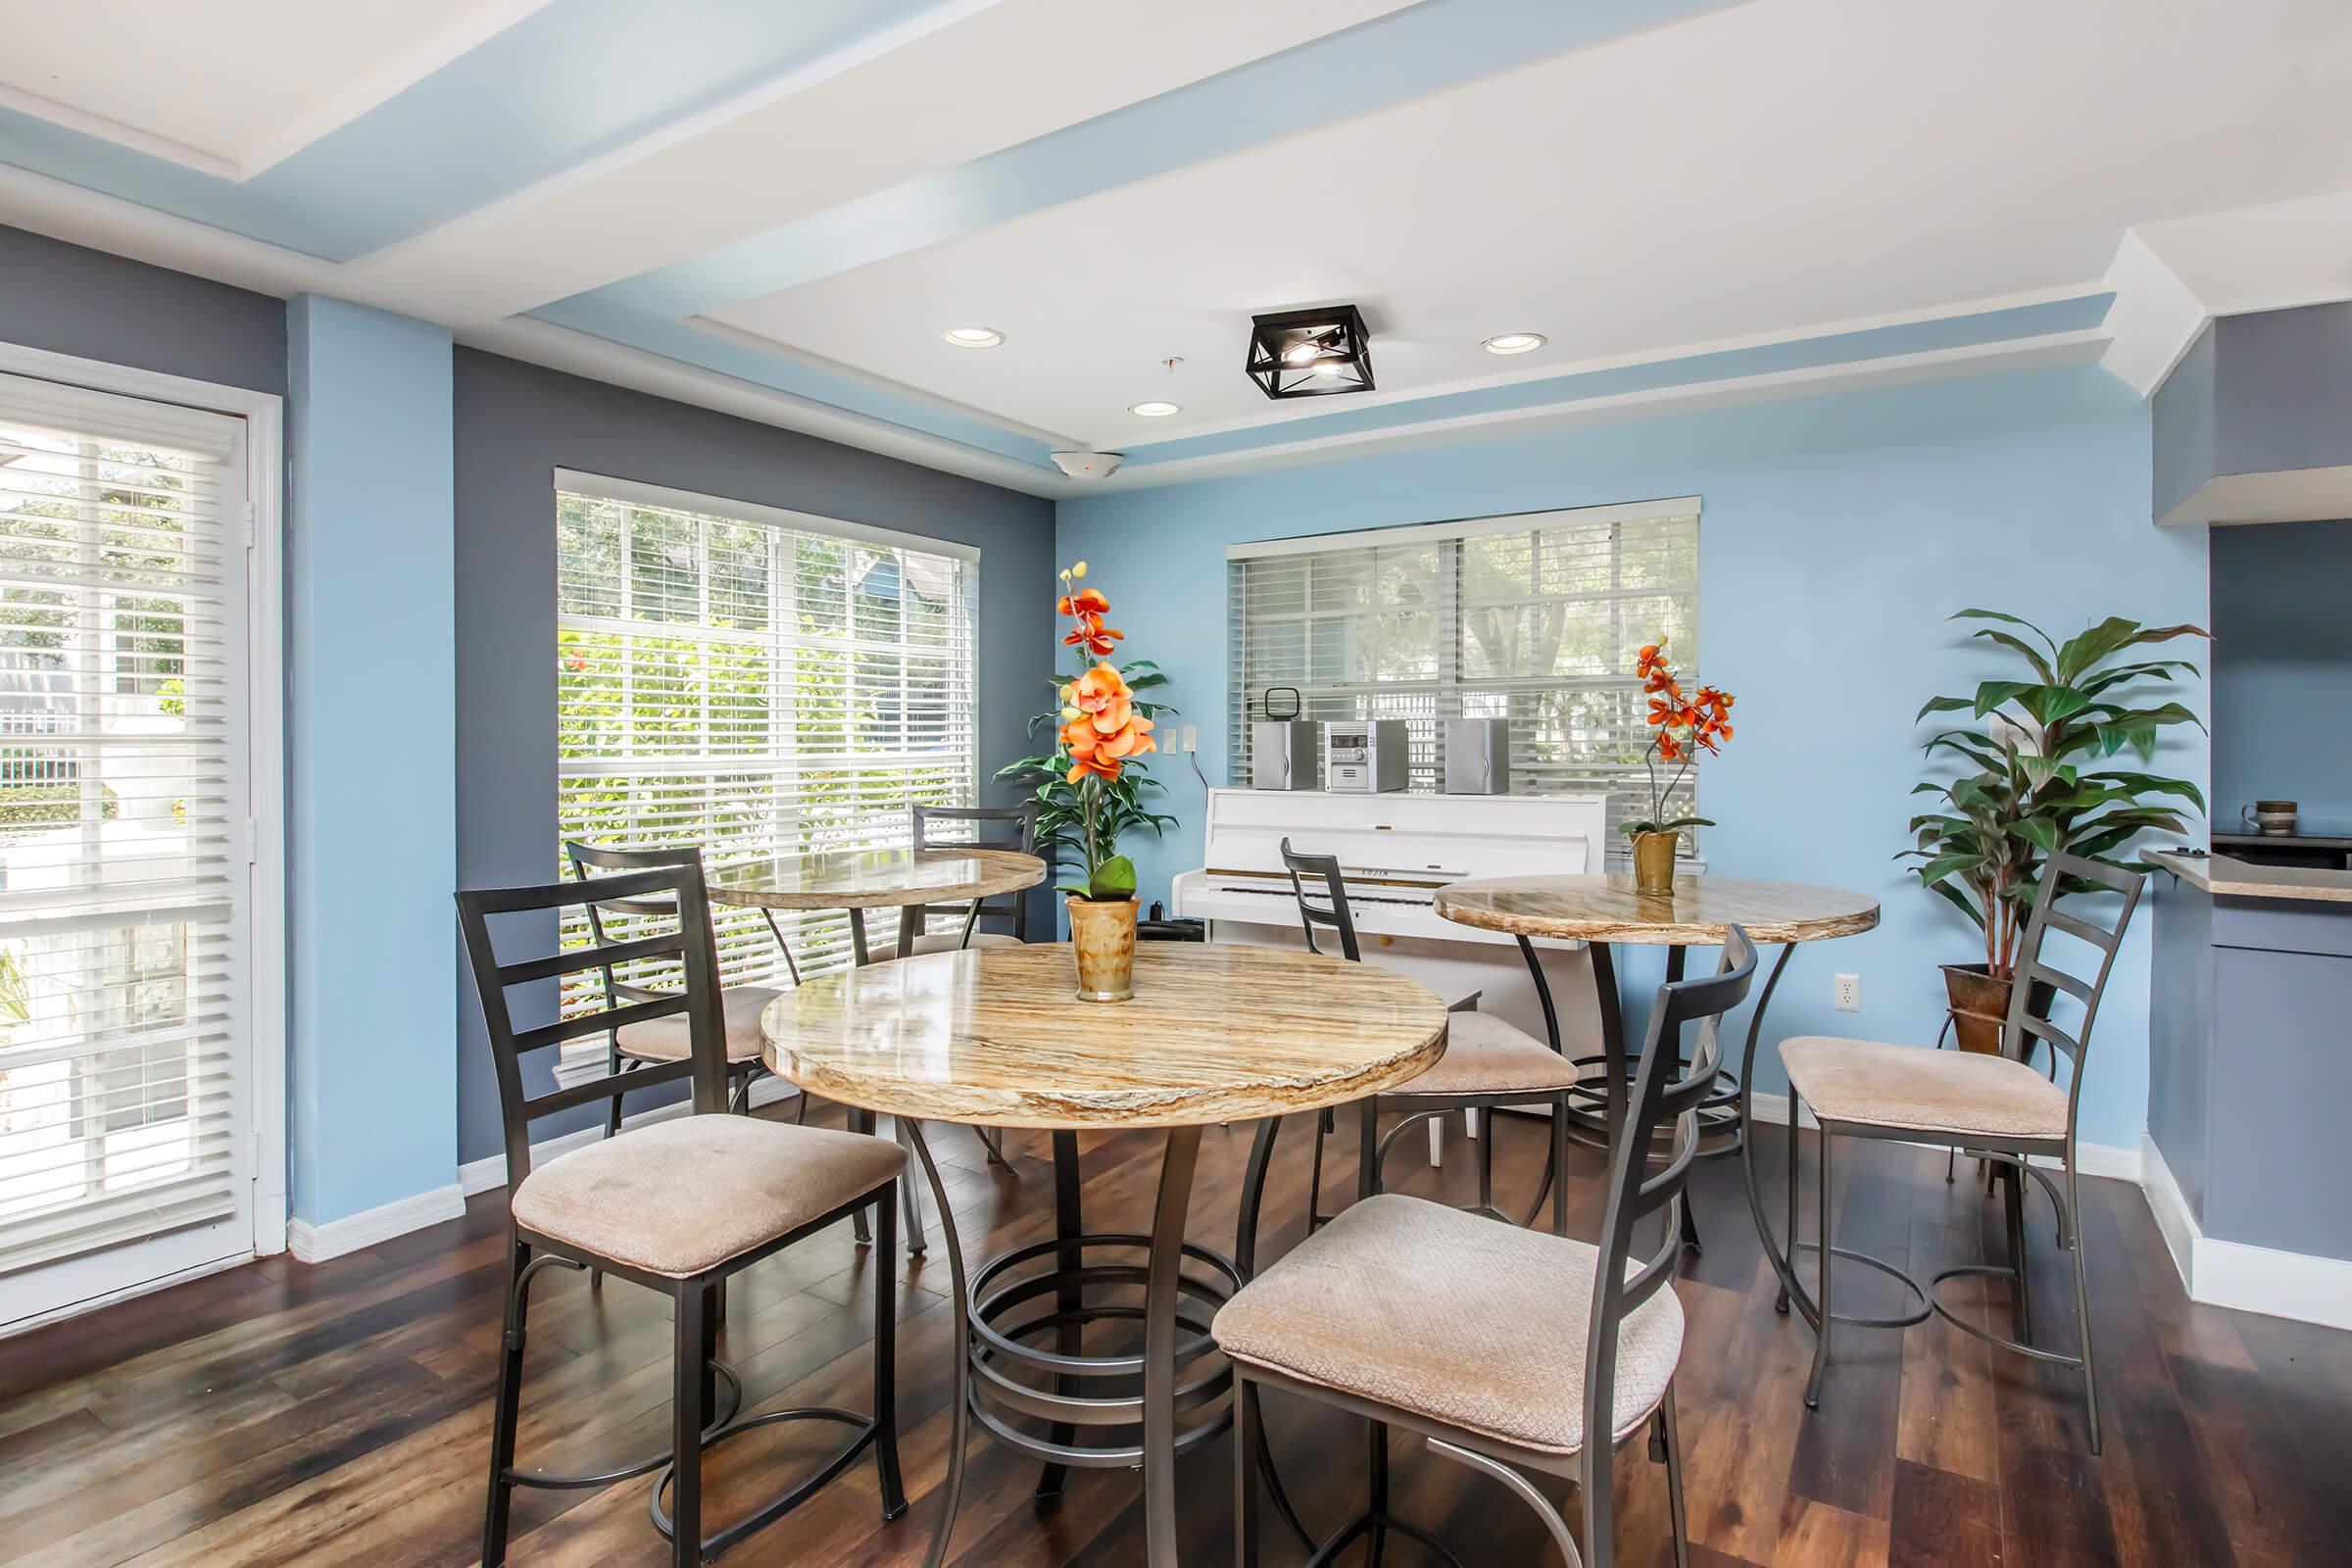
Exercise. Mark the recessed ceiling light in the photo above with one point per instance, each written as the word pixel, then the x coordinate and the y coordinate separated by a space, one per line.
pixel 1514 342
pixel 1155 410
pixel 973 337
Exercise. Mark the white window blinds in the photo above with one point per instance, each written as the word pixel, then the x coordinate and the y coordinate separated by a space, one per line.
pixel 124 884
pixel 1534 619
pixel 758 683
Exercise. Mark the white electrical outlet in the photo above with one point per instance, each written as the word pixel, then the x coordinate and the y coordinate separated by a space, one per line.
pixel 1190 740
pixel 1847 993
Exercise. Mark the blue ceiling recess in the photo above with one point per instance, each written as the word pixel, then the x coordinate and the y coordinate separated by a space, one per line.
pixel 571 83
pixel 1981 328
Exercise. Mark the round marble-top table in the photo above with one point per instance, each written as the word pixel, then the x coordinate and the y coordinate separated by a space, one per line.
pixel 1606 908
pixel 858 880
pixel 855 881
pixel 996 1037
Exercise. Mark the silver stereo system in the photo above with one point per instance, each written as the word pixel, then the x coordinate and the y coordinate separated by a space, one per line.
pixel 1282 754
pixel 1366 757
pixel 1477 757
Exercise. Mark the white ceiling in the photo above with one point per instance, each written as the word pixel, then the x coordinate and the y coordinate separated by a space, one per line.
pixel 1763 172
pixel 228 88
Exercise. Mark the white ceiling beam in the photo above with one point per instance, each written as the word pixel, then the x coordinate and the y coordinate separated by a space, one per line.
pixel 970 79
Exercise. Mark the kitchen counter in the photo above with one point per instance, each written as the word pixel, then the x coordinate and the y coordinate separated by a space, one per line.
pixel 2250 984
pixel 2226 876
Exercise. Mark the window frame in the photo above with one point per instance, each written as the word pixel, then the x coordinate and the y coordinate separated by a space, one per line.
pixel 1448 685
pixel 582 1059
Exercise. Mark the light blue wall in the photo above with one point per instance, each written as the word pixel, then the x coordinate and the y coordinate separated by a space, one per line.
pixel 1838 534
pixel 371 736
pixel 2282 669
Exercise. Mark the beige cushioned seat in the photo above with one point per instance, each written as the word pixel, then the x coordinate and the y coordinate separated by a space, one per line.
pixel 1450 1316
pixel 942 942
pixel 1879 1085
pixel 1484 1056
pixel 684 1196
pixel 666 1038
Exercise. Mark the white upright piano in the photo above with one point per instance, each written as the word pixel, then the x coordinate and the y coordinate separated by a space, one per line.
pixel 1394 852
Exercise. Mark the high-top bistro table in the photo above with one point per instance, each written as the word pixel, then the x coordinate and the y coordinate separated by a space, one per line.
pixel 857 880
pixel 996 1037
pixel 1602 909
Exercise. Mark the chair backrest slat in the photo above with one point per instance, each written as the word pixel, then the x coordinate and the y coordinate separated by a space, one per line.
pixel 1012 908
pixel 692 946
pixel 1666 1089
pixel 1334 911
pixel 2063 876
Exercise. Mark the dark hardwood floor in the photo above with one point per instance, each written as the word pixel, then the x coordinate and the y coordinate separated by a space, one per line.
pixel 282 1414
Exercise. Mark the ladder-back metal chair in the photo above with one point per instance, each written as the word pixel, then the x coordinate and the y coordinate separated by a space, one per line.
pixel 1013 909
pixel 1488 1063
pixel 1508 1350
pixel 665 1040
pixel 1997 1108
pixel 640 1206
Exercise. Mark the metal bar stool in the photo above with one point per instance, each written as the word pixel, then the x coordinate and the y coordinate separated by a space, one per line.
pixel 639 1207
pixel 1508 1350
pixel 1996 1107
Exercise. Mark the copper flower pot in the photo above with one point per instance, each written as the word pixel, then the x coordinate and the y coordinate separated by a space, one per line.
pixel 1102 938
pixel 1981 1006
pixel 1654 862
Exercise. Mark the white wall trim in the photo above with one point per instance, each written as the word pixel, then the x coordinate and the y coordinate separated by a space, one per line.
pixel 2241 1276
pixel 2091 1159
pixel 316 1244
pixel 481 1175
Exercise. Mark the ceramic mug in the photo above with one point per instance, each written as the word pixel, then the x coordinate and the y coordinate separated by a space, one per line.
pixel 2274 817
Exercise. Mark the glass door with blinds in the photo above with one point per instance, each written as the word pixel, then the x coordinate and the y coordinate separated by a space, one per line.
pixel 1534 618
pixel 125 895
pixel 758 683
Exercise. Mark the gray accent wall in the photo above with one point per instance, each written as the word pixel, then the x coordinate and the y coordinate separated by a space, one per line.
pixel 518 424
pixel 71 300
pixel 2255 422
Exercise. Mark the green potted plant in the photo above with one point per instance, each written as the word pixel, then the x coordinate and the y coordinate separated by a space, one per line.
pixel 1090 789
pixel 2039 772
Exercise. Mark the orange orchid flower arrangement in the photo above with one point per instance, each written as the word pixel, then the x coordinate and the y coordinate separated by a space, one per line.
pixel 1103 729
pixel 1682 724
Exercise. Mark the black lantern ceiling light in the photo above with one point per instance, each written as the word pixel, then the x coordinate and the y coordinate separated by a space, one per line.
pixel 1310 354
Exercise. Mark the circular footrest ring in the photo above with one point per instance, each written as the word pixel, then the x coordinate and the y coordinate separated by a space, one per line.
pixel 770 1512
pixel 2003 1271
pixel 1927 1299
pixel 724 1409
pixel 1015 1380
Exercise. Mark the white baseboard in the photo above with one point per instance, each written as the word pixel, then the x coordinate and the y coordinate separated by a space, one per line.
pixel 480 1175
pixel 2091 1159
pixel 316 1244
pixel 2233 1274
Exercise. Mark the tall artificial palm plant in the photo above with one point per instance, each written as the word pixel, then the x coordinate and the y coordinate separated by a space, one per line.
pixel 2040 772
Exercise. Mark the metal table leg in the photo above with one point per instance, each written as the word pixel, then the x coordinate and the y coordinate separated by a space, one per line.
pixel 1068 1298
pixel 1791 1290
pixel 1160 1345
pixel 959 1386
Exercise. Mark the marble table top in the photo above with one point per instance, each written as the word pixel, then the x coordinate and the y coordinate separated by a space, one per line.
pixel 875 879
pixel 1606 907
pixel 996 1036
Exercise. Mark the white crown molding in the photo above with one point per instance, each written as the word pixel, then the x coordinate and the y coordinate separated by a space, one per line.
pixel 560 347
pixel 57 113
pixel 316 1244
pixel 2155 318
pixel 2233 1274
pixel 2056 347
